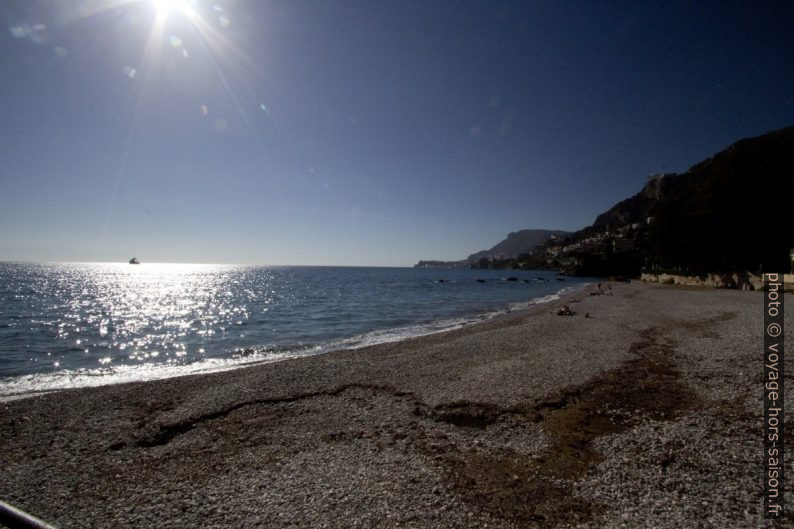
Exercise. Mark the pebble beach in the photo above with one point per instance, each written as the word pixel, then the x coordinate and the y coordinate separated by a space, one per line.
pixel 647 413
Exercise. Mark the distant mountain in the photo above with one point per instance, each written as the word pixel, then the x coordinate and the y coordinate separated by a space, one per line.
pixel 517 243
pixel 442 264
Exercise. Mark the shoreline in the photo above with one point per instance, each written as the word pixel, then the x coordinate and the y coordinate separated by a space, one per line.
pixel 644 415
pixel 42 383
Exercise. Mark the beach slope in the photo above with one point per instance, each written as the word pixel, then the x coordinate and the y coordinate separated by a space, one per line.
pixel 647 413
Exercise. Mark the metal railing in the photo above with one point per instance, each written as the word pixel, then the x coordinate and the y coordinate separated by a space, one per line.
pixel 14 518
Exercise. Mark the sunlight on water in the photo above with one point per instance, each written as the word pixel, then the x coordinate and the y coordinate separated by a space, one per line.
pixel 152 310
pixel 66 325
pixel 120 313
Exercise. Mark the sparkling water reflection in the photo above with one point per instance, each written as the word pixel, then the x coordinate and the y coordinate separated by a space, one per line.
pixel 61 323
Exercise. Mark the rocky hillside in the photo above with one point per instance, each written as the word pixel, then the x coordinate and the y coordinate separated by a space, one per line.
pixel 728 213
pixel 731 212
pixel 637 208
pixel 517 243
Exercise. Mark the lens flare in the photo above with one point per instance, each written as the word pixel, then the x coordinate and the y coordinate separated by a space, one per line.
pixel 164 8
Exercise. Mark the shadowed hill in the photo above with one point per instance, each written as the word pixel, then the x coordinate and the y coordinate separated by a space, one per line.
pixel 729 213
pixel 637 208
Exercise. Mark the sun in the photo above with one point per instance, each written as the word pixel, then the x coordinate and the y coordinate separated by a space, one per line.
pixel 164 8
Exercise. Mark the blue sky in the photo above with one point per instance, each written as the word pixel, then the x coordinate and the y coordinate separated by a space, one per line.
pixel 360 133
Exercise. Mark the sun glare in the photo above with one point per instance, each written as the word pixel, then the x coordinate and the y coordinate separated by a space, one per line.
pixel 164 8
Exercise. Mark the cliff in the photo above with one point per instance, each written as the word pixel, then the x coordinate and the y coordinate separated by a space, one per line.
pixel 729 213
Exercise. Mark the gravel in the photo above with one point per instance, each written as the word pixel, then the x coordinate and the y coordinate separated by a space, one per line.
pixel 646 414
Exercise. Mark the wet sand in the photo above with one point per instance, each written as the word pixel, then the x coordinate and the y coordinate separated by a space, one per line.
pixel 646 414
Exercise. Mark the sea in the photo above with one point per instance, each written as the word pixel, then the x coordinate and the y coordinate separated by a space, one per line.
pixel 65 325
